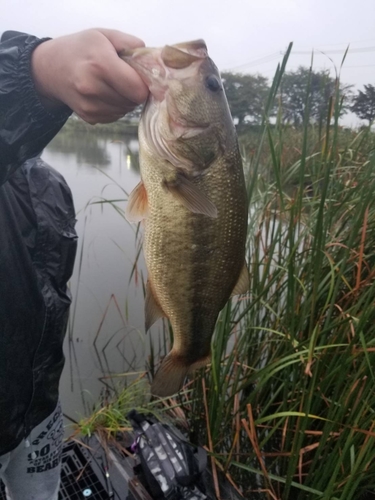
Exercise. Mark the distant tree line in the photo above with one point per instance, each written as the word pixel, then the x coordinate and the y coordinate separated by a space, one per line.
pixel 247 95
pixel 364 103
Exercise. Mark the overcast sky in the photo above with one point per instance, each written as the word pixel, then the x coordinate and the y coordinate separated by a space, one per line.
pixel 246 36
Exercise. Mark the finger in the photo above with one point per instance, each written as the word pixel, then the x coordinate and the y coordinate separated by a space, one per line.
pixel 126 109
pixel 101 119
pixel 98 90
pixel 117 110
pixel 121 40
pixel 91 109
pixel 124 79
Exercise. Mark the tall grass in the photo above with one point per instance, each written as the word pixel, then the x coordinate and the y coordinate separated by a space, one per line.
pixel 287 405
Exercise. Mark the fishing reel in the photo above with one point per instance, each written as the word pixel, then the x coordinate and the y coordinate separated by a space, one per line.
pixel 170 466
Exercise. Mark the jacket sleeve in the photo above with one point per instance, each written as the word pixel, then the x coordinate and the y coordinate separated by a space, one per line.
pixel 26 127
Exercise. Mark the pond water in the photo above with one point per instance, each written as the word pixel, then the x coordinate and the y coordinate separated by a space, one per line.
pixel 106 333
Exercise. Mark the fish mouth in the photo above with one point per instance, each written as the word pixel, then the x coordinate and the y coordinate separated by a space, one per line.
pixel 156 66
pixel 177 56
pixel 148 64
pixel 195 47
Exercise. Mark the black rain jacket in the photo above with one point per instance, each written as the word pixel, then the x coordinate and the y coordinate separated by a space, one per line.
pixel 37 249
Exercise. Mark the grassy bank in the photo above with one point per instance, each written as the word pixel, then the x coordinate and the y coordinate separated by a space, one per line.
pixel 287 405
pixel 120 127
pixel 290 393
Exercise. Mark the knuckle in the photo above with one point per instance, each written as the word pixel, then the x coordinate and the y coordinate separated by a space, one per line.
pixel 85 83
pixel 84 87
pixel 95 66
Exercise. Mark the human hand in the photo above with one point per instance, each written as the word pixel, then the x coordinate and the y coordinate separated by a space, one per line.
pixel 84 72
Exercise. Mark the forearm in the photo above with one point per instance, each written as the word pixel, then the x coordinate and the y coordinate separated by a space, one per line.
pixel 40 83
pixel 26 124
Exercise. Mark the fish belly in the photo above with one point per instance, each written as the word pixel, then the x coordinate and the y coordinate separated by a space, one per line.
pixel 193 260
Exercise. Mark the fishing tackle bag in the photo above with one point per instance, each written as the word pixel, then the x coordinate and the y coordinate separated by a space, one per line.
pixel 171 466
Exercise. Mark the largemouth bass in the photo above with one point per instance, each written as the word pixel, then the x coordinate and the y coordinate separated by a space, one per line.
pixel 192 197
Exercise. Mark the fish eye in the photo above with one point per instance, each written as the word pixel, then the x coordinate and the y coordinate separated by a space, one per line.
pixel 213 83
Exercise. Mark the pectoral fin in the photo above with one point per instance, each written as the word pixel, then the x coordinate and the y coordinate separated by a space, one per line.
pixel 190 196
pixel 152 309
pixel 243 283
pixel 137 207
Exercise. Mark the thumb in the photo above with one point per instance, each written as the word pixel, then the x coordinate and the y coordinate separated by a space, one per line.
pixel 121 40
pixel 119 75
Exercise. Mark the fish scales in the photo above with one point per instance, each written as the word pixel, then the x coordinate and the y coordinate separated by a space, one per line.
pixel 203 256
pixel 192 199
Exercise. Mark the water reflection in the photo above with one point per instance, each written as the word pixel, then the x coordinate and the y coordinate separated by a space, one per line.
pixel 106 329
pixel 86 147
pixel 91 148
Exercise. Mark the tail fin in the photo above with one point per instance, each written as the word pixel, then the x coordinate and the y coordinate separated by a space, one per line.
pixel 170 377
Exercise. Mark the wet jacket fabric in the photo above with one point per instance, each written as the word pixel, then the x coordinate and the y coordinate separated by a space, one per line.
pixel 37 249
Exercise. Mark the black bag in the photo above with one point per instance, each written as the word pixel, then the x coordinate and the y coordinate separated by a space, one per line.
pixel 171 466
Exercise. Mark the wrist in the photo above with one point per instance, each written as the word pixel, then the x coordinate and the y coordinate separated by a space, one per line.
pixel 30 99
pixel 41 70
